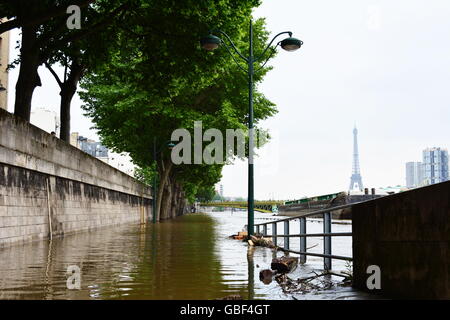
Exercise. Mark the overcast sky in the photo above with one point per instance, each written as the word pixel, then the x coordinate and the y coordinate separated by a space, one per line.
pixel 382 65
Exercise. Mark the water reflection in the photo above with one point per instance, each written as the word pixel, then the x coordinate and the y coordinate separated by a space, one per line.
pixel 170 260
pixel 251 273
pixel 187 258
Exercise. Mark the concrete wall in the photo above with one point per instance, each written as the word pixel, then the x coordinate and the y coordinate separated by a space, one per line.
pixel 407 235
pixel 44 181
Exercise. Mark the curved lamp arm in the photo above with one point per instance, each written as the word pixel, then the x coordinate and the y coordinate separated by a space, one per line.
pixel 268 58
pixel 231 42
pixel 273 39
pixel 234 58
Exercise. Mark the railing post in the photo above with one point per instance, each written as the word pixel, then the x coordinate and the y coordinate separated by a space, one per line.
pixel 286 232
pixel 302 240
pixel 257 230
pixel 265 230
pixel 274 233
pixel 327 240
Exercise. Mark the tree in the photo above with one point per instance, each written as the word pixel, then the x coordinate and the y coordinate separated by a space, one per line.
pixel 158 79
pixel 205 193
pixel 44 32
pixel 19 14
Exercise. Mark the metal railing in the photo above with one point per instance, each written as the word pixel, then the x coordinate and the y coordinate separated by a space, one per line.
pixel 303 235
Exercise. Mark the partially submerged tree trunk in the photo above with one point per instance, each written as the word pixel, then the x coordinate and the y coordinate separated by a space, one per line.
pixel 174 199
pixel 164 171
pixel 173 203
pixel 166 201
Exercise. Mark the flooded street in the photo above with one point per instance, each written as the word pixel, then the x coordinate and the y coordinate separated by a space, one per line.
pixel 186 258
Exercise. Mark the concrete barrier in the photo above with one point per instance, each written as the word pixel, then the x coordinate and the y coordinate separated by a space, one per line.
pixel 407 235
pixel 50 187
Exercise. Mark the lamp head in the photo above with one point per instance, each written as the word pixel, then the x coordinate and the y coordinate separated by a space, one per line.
pixel 210 42
pixel 291 44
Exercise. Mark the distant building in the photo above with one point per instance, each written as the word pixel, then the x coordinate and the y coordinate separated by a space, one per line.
pixel 94 148
pixel 46 120
pixel 74 139
pixel 221 190
pixel 414 174
pixel 4 61
pixel 435 165
pixel 120 161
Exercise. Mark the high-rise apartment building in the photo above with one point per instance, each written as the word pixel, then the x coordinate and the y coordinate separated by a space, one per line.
pixel 435 165
pixel 414 174
pixel 4 60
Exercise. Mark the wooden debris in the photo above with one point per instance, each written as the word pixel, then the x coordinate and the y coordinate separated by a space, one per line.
pixel 266 276
pixel 263 242
pixel 284 264
pixel 241 235
pixel 250 243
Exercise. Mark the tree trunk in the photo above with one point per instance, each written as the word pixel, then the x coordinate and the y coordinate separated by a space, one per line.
pixel 68 90
pixel 28 73
pixel 175 200
pixel 173 191
pixel 164 171
pixel 180 202
pixel 167 199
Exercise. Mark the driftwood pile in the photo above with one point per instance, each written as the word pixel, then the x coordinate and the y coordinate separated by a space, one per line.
pixel 317 282
pixel 261 241
pixel 241 235
pixel 284 264
pixel 279 266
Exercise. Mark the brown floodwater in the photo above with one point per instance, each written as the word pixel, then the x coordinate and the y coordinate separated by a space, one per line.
pixel 186 258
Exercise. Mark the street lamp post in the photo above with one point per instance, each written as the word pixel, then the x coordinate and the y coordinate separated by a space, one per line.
pixel 212 42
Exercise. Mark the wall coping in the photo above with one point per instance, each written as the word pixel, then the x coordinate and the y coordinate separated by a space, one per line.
pixel 25 145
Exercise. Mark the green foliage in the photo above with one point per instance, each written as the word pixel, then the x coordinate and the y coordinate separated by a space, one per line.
pixel 146 75
pixel 217 197
pixel 146 175
pixel 205 193
pixel 158 79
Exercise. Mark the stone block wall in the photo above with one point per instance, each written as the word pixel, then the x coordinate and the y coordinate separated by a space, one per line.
pixel 48 186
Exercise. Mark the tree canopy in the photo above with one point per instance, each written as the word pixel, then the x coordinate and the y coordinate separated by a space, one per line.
pixel 144 75
pixel 158 79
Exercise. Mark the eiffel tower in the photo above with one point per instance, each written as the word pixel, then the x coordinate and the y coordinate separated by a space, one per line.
pixel 356 180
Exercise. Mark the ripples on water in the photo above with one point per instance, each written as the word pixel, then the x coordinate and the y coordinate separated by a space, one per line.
pixel 186 258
